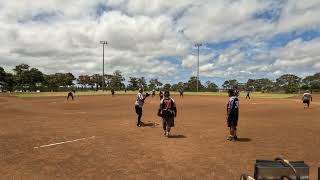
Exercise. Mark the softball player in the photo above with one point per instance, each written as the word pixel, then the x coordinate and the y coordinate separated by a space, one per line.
pixel 306 98
pixel 168 111
pixel 161 95
pixel 233 114
pixel 70 95
pixel 139 104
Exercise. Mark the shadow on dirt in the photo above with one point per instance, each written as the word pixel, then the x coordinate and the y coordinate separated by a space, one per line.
pixel 177 136
pixel 244 139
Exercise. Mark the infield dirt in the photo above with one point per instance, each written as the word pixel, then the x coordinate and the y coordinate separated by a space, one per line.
pixel 119 150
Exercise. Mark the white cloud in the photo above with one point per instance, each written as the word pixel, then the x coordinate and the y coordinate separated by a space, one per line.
pixel 299 15
pixel 59 35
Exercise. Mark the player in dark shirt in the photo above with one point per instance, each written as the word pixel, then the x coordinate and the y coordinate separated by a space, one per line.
pixel 248 95
pixel 70 95
pixel 161 95
pixel 168 111
pixel 112 92
pixel 181 92
pixel 232 114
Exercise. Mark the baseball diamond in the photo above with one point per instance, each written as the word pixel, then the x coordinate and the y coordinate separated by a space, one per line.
pixel 267 128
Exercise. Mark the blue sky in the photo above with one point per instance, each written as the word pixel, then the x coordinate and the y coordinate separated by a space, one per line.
pixel 241 39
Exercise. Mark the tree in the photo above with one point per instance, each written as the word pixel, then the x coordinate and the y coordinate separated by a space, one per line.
pixel 133 83
pixel 315 84
pixel 158 83
pixel 154 84
pixel 230 84
pixel 96 80
pixel 263 84
pixel 84 80
pixel 167 87
pixel 142 83
pixel 36 78
pixel 192 84
pixel 289 83
pixel 22 76
pixel 310 82
pixel 9 82
pixel 211 86
pixel 69 78
pixel 2 74
pixel 51 81
pixel 115 81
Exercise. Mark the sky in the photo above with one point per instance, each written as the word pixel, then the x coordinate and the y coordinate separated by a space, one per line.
pixel 240 39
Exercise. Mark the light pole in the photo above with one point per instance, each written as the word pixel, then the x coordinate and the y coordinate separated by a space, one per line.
pixel 103 83
pixel 198 45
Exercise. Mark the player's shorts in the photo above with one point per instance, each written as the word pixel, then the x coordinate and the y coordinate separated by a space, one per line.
pixel 306 101
pixel 232 122
pixel 168 122
pixel 138 110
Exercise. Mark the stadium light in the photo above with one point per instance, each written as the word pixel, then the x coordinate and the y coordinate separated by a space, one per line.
pixel 103 83
pixel 198 45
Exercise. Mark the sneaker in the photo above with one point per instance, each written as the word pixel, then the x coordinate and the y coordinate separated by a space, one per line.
pixel 164 133
pixel 168 134
pixel 235 138
pixel 230 138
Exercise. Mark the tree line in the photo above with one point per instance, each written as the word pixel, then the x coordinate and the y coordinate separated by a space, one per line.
pixel 287 83
pixel 25 78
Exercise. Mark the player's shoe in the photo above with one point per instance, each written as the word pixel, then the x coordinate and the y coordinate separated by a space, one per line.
pixel 235 137
pixel 230 138
pixel 168 134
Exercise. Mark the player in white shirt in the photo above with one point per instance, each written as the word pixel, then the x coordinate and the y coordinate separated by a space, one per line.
pixel 139 104
pixel 306 98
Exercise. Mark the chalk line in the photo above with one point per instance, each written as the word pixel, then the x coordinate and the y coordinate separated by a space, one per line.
pixel 64 142
pixel 75 113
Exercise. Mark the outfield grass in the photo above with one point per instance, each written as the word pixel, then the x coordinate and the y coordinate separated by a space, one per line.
pixel 101 93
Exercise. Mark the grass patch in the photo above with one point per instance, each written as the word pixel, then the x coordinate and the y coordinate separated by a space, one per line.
pixel 101 93
pixel 61 94
pixel 243 94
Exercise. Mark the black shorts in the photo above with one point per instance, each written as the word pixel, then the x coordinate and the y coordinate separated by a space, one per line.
pixel 138 110
pixel 232 122
pixel 168 122
pixel 306 102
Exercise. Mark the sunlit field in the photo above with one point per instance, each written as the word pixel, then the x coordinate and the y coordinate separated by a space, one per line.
pixel 101 93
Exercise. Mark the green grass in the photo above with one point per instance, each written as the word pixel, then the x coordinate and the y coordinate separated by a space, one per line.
pixel 100 93
pixel 59 94
pixel 243 94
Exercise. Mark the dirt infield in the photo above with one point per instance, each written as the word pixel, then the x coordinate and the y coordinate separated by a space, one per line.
pixel 98 139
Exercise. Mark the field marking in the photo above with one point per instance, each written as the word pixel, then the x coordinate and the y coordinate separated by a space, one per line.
pixel 75 112
pixel 255 103
pixel 64 142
